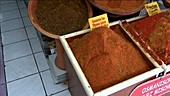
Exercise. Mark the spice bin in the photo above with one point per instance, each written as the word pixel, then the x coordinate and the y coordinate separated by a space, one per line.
pixel 79 85
pixel 32 7
pixel 141 41
pixel 119 8
pixel 152 33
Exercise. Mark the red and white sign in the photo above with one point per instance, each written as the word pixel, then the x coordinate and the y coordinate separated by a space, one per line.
pixel 156 87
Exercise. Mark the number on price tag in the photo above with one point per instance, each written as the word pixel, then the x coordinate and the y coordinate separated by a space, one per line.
pixel 152 8
pixel 98 21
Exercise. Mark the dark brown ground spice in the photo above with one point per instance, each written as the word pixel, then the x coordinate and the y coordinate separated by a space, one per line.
pixel 62 16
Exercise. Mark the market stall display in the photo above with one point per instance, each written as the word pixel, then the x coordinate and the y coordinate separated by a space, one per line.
pixel 105 61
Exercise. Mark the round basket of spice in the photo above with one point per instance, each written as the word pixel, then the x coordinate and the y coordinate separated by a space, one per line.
pixel 119 7
pixel 58 17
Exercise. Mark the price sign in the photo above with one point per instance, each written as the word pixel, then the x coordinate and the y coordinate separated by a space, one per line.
pixel 152 8
pixel 156 87
pixel 98 21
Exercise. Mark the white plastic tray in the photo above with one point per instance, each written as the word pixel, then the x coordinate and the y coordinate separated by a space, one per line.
pixel 113 89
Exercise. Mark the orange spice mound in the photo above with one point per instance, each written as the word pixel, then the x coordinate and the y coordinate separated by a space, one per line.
pixel 106 58
pixel 120 5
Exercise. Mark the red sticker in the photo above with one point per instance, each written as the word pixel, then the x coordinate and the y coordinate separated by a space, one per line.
pixel 156 87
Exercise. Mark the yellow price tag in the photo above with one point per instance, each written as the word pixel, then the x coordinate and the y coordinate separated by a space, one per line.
pixel 152 8
pixel 98 21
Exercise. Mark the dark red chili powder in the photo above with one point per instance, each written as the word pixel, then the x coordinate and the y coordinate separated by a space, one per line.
pixel 146 25
pixel 155 31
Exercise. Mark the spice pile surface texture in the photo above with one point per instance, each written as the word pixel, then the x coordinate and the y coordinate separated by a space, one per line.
pixel 155 31
pixel 120 5
pixel 106 58
pixel 62 16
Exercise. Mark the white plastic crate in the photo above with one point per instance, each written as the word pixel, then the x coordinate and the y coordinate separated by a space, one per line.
pixel 78 83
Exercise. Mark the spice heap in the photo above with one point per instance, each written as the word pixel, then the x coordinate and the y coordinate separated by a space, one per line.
pixel 62 16
pixel 104 58
pixel 120 5
pixel 166 3
pixel 155 31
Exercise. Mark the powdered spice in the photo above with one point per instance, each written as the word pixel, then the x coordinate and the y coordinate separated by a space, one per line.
pixel 104 58
pixel 120 5
pixel 62 16
pixel 155 31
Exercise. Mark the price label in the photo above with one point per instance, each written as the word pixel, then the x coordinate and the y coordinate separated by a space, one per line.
pixel 152 8
pixel 98 21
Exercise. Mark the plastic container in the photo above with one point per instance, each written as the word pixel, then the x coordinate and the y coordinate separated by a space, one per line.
pixel 149 53
pixel 78 84
pixel 141 38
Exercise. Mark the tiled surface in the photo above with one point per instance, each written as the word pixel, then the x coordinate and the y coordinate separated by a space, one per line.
pixel 24 12
pixel 19 68
pixel 0 18
pixel 29 86
pixel 35 44
pixel 10 15
pixel 12 36
pixel 11 25
pixel 63 93
pixel 2 75
pixel 26 68
pixel 50 85
pixel 8 6
pixel 21 4
pixel 3 91
pixel 27 21
pixel 32 33
pixel 41 61
pixel 17 50
pixel 3 2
